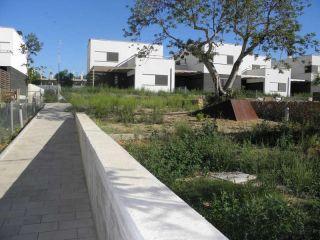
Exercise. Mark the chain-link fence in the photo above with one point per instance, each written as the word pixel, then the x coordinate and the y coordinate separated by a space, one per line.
pixel 15 115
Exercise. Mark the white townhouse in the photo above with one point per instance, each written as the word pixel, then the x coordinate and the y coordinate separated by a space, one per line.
pixel 119 64
pixel 304 70
pixel 13 69
pixel 255 72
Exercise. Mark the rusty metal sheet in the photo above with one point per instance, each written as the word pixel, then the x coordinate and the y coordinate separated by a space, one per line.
pixel 243 110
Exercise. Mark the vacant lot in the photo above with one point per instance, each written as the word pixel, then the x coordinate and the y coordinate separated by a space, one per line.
pixel 184 151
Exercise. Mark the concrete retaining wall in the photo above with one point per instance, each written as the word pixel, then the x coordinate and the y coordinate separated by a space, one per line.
pixel 128 202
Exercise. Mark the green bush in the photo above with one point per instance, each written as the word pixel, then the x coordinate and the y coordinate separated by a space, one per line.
pixel 123 104
pixel 50 96
pixel 259 210
pixel 245 211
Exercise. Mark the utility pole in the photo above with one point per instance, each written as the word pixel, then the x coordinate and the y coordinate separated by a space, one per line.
pixel 93 77
pixel 58 75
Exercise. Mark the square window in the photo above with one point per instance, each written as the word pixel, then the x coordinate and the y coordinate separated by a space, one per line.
pixel 308 69
pixel 112 56
pixel 229 59
pixel 161 80
pixel 282 87
pixel 256 66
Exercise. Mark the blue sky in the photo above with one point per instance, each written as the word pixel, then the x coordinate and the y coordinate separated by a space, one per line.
pixel 75 21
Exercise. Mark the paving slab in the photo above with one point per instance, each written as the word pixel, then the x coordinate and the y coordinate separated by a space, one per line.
pixel 43 192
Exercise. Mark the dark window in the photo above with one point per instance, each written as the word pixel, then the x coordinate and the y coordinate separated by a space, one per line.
pixel 282 87
pixel 112 56
pixel 161 80
pixel 229 60
pixel 255 66
pixel 315 68
pixel 308 69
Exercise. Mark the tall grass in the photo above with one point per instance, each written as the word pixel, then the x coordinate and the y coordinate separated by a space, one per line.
pixel 124 104
pixel 262 210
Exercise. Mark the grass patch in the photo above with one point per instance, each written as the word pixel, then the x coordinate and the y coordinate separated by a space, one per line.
pixel 277 206
pixel 128 105
pixel 283 203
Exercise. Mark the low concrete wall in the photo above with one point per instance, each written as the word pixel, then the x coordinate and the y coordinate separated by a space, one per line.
pixel 128 202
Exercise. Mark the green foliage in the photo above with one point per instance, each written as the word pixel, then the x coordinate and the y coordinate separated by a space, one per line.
pixel 33 75
pixel 243 212
pixel 200 116
pixel 50 96
pixel 270 26
pixel 31 47
pixel 259 210
pixel 128 105
pixel 65 78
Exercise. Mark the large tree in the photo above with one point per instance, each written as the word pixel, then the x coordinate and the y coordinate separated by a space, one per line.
pixel 271 26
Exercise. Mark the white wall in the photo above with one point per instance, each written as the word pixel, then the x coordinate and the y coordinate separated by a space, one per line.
pixel 315 63
pixel 128 202
pixel 97 49
pixel 10 50
pixel 273 77
pixel 147 68
pixel 220 60
pixel 250 60
pixel 34 92
pixel 297 66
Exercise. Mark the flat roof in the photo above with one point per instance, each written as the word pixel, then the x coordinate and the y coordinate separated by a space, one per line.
pixel 108 40
pixel 105 69
pixel 183 72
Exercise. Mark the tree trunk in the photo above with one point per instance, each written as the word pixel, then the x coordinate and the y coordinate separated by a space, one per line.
pixel 233 74
pixel 215 78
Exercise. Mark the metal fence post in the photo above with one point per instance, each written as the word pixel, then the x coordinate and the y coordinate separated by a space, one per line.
pixel 20 115
pixel 11 116
pixel 26 106
pixel 34 105
pixel 287 114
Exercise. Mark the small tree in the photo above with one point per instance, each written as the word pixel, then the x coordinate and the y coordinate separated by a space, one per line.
pixel 65 77
pixel 268 25
pixel 31 48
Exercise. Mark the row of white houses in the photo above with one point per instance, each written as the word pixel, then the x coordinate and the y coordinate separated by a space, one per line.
pixel 119 64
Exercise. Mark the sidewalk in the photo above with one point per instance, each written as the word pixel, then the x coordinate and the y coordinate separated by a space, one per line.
pixel 43 193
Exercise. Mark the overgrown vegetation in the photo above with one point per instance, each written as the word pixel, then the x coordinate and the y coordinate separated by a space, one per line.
pixel 129 105
pixel 50 96
pixel 301 112
pixel 282 204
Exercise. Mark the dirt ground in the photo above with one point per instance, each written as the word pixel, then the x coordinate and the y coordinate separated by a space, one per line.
pixel 170 120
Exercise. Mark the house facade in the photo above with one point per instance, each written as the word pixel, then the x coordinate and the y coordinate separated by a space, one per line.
pixel 121 64
pixel 304 70
pixel 13 69
pixel 255 72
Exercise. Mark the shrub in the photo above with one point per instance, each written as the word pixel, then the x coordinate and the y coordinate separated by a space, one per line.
pixel 50 96
pixel 301 112
pixel 123 104
pixel 243 211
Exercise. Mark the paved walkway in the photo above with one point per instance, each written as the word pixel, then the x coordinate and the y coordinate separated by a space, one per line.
pixel 43 194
